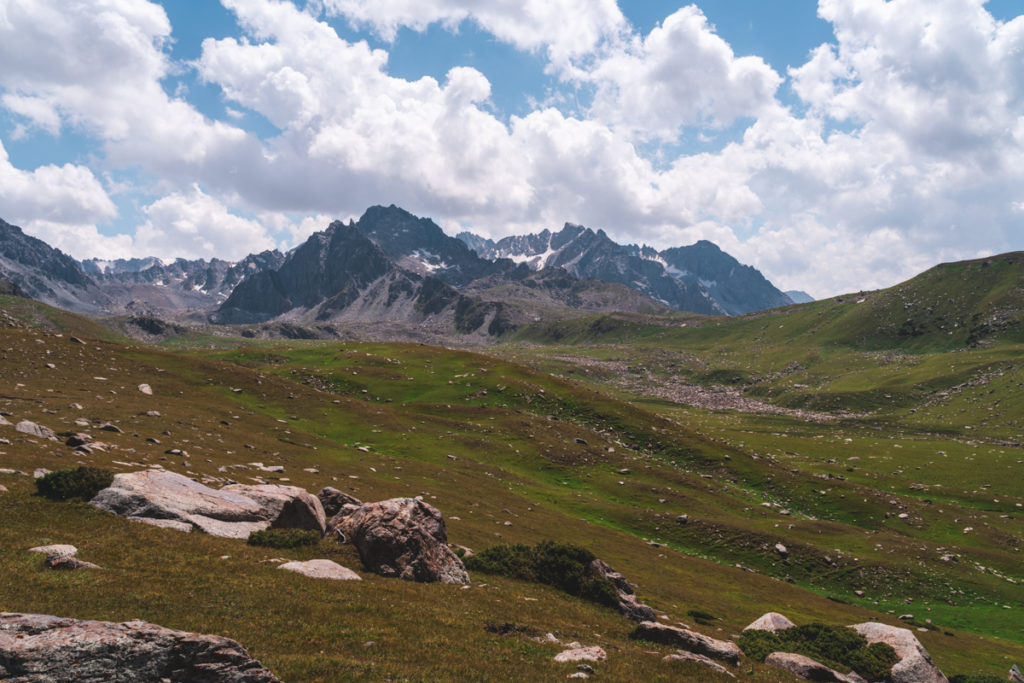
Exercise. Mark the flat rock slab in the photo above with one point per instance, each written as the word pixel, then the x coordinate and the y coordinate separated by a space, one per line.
pixel 688 640
pixel 174 501
pixel 915 665
pixel 684 656
pixel 805 667
pixel 322 569
pixel 771 621
pixel 582 654
pixel 37 648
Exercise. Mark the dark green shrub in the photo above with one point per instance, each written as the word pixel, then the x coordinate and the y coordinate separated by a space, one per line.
pixel 562 565
pixel 284 538
pixel 701 617
pixel 838 647
pixel 975 678
pixel 80 483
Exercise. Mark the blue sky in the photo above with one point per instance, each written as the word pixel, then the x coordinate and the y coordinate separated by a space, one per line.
pixel 837 145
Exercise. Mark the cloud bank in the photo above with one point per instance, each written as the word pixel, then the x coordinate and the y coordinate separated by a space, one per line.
pixel 895 146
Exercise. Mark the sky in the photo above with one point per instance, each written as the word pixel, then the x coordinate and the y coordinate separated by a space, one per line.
pixel 837 145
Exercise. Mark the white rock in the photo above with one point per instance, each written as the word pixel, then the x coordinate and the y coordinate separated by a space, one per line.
pixel 582 654
pixel 146 389
pixel 322 569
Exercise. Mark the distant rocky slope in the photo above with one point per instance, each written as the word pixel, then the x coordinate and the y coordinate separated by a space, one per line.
pixel 150 286
pixel 47 274
pixel 339 275
pixel 700 278
pixel 391 266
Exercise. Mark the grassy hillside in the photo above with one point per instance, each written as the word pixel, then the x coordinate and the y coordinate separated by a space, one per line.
pixel 868 464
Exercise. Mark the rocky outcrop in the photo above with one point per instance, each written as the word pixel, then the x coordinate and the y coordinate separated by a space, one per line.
pixel 771 621
pixel 628 603
pixel 290 507
pixel 688 640
pixel 1015 675
pixel 403 538
pixel 333 500
pixel 36 648
pixel 62 556
pixel 805 667
pixel 915 665
pixel 321 569
pixel 175 501
pixel 684 656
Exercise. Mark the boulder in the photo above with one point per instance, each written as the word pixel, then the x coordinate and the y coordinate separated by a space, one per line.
pixel 684 656
pixel 628 603
pixel 805 667
pixel 1015 675
pixel 38 648
pixel 770 621
pixel 915 665
pixel 321 569
pixel 333 500
pixel 582 654
pixel 403 538
pixel 168 497
pixel 55 550
pixel 146 389
pixel 290 507
pixel 688 640
pixel 33 429
pixel 4 422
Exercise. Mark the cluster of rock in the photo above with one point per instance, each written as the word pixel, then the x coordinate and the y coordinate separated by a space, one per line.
pixel 62 556
pixel 37 648
pixel 400 537
pixel 914 665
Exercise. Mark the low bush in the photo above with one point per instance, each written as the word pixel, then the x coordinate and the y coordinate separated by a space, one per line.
pixel 80 483
pixel 284 538
pixel 701 617
pixel 838 647
pixel 975 678
pixel 562 565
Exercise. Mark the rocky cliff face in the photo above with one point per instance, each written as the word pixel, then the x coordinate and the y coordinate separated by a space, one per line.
pixel 420 246
pixel 737 288
pixel 47 274
pixel 341 275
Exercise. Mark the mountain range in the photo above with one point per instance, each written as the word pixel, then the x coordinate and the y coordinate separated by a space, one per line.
pixel 396 267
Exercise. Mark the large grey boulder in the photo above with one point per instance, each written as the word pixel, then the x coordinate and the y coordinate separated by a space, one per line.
pixel 333 500
pixel 173 500
pixel 290 507
pixel 915 665
pixel 403 538
pixel 33 429
pixel 805 667
pixel 628 603
pixel 36 648
pixel 688 640
pixel 770 621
